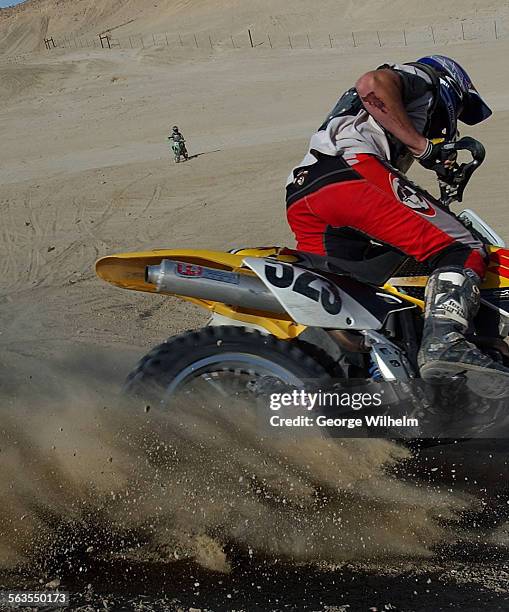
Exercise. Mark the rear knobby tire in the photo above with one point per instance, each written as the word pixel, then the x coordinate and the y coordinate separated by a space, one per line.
pixel 179 358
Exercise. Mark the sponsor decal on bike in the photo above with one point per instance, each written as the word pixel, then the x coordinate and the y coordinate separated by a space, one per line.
pixel 222 276
pixel 409 196
pixel 501 294
pixel 187 270
pixel 497 297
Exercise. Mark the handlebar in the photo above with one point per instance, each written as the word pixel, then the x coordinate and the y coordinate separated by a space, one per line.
pixel 454 180
pixel 467 143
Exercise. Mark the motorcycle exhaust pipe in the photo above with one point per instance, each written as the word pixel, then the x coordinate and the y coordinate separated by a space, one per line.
pixel 191 280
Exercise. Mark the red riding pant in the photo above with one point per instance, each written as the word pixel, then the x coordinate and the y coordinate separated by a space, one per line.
pixel 371 198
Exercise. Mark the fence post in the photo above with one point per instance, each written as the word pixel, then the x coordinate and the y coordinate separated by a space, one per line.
pixel 309 44
pixel 378 36
pixel 496 32
pixel 233 42
pixel 462 31
pixel 131 42
pixel 210 41
pixel 104 38
pixel 330 40
pixel 290 41
pixel 353 38
pixel 181 41
pixel 250 38
pixel 154 39
pixel 166 36
pixel 404 37
pixel 195 40
pixel 270 42
pixel 433 34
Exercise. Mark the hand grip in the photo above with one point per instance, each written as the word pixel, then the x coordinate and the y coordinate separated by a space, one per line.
pixel 467 143
pixel 456 179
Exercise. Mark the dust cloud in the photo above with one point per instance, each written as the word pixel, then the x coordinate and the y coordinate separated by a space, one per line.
pixel 87 473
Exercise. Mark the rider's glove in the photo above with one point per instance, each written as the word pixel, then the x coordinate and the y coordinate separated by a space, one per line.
pixel 434 156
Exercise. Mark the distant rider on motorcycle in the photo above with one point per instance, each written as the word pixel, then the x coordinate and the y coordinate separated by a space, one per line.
pixel 351 187
pixel 178 142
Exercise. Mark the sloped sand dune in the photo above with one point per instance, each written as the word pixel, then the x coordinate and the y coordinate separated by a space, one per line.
pixel 23 28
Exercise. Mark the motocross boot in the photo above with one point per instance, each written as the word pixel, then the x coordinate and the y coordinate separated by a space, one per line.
pixel 452 300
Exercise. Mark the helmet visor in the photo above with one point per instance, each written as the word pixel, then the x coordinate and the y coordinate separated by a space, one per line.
pixel 475 108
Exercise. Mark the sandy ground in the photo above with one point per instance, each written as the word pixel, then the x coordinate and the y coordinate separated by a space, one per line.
pixel 85 171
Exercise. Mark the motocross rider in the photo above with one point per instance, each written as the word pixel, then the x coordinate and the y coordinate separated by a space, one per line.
pixel 177 137
pixel 351 185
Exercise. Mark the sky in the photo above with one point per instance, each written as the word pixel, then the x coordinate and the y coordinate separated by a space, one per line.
pixel 4 3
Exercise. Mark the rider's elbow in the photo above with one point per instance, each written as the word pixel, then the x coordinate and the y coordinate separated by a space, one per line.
pixel 376 81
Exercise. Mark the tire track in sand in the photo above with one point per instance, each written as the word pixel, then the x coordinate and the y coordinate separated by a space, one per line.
pixel 87 238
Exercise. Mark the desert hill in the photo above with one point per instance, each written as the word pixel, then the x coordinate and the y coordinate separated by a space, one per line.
pixel 24 27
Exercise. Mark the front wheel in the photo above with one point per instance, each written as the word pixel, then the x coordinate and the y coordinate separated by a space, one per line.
pixel 223 360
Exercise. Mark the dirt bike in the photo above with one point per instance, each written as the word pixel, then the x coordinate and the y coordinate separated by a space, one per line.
pixel 295 316
pixel 179 150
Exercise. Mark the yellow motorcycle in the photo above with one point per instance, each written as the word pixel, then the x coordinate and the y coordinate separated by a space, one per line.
pixel 293 316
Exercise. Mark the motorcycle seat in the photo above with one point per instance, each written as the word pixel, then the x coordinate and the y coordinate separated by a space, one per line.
pixel 375 270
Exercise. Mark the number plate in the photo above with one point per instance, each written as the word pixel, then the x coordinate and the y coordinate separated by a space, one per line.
pixel 309 298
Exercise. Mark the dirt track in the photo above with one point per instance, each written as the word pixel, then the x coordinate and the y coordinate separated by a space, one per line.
pixel 85 171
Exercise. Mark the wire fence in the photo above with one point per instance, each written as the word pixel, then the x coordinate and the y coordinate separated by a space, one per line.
pixel 444 33
pixel 480 30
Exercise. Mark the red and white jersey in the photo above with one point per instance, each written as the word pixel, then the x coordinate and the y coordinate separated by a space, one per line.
pixel 351 134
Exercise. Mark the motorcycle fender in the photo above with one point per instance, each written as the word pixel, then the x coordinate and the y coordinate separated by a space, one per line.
pixel 127 271
pixel 313 300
